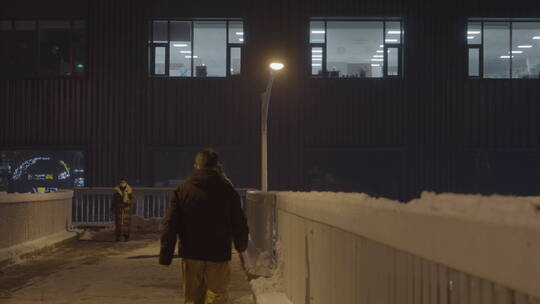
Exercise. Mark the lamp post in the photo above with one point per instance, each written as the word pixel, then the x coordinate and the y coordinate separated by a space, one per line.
pixel 275 67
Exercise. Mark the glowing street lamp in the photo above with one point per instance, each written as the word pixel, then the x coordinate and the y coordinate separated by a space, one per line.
pixel 275 67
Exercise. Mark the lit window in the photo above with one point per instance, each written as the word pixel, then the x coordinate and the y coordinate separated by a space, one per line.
pixel 525 61
pixel 236 60
pixel 356 48
pixel 179 49
pixel 196 48
pixel 50 48
pixel 210 48
pixel 503 49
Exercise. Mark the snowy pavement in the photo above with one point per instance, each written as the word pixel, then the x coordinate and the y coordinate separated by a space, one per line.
pixel 101 271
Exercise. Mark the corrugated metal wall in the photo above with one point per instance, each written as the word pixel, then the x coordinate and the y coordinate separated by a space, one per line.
pixel 434 118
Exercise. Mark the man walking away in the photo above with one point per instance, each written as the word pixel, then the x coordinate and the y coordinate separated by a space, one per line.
pixel 206 215
pixel 122 200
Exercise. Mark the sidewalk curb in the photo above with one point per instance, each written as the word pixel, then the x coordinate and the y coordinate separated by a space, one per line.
pixel 19 252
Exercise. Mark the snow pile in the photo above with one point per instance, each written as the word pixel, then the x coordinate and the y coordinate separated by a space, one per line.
pixel 267 285
pixel 88 235
pixel 505 210
pixel 256 262
pixel 100 234
pixel 269 290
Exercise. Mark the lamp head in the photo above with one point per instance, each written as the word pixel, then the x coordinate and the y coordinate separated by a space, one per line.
pixel 276 66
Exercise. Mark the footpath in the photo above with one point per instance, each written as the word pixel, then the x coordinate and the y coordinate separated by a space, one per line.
pixel 98 270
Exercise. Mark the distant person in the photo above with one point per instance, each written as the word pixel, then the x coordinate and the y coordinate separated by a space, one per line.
pixel 122 201
pixel 207 217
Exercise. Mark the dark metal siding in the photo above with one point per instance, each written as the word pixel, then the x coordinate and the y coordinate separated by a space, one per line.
pixel 434 119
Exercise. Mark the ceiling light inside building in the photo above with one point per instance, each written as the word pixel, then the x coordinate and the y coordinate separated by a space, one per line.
pixel 185 52
pixel 524 46
pixel 316 51
pixel 470 37
pixel 375 65
pixel 506 57
pixel 180 45
pixel 378 56
pixel 473 32
pixel 394 32
pixel 239 33
pixel 517 52
pixel 193 56
pixel 536 37
pixel 390 40
pixel 317 32
pixel 380 51
pixel 376 59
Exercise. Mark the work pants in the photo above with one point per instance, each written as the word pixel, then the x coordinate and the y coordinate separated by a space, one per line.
pixel 206 282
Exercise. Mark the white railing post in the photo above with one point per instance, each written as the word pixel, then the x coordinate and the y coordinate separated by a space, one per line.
pixel 76 202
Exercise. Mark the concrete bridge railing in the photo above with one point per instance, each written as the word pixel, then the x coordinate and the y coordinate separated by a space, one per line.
pixel 352 248
pixel 25 219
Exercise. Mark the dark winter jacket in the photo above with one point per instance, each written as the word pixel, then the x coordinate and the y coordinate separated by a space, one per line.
pixel 206 215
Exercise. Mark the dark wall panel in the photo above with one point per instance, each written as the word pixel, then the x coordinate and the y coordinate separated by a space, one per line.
pixel 434 116
pixel 50 9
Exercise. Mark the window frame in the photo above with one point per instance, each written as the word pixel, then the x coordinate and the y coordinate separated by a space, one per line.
pixel 228 46
pixel 323 45
pixel 231 46
pixel 385 53
pixel 480 46
pixel 480 60
pixel 153 58
pixel 37 55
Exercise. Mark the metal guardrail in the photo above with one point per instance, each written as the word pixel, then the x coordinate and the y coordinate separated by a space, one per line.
pixel 92 206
